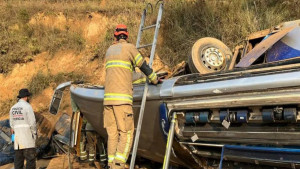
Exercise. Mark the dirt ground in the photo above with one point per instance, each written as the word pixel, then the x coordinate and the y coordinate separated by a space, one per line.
pixel 59 162
pixel 40 164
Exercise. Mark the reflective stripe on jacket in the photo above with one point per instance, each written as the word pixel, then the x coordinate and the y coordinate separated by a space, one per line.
pixel 121 58
pixel 138 78
pixel 22 121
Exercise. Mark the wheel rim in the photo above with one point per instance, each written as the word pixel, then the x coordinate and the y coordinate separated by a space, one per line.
pixel 212 58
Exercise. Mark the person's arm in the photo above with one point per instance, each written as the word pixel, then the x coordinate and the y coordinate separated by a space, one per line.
pixel 139 62
pixel 31 121
pixel 11 122
pixel 138 78
pixel 149 73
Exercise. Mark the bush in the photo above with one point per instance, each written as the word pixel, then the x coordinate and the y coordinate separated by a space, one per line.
pixel 184 21
pixel 5 106
pixel 230 21
pixel 41 81
pixel 20 41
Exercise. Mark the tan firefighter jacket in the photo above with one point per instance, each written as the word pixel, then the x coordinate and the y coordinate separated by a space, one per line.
pixel 121 58
pixel 138 78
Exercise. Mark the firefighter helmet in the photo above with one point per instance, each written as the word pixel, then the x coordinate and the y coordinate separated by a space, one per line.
pixel 121 29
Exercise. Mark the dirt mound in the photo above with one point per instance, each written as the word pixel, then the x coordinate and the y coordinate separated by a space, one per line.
pixel 96 28
pixel 58 21
pixel 93 28
pixel 40 101
pixel 20 76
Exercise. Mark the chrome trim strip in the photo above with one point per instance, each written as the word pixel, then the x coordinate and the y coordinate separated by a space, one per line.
pixel 261 82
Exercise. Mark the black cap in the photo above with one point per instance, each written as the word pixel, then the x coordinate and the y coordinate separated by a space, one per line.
pixel 24 93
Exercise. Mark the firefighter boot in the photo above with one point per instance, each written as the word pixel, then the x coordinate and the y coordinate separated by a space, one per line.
pixel 83 154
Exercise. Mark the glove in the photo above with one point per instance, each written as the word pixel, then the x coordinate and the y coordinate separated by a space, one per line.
pixel 159 80
pixel 12 137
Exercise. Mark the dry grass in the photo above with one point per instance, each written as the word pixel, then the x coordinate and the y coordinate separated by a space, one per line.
pixel 183 23
pixel 126 12
pixel 230 21
pixel 41 81
pixel 5 107
pixel 21 41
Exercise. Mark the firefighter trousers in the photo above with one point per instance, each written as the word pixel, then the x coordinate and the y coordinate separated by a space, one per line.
pixel 91 145
pixel 119 124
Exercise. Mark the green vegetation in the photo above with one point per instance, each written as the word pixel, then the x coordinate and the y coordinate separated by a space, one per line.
pixel 228 20
pixel 41 81
pixel 184 22
pixel 20 41
pixel 5 106
pixel 119 11
pixel 100 48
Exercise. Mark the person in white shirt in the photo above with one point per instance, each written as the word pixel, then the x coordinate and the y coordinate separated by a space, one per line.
pixel 23 125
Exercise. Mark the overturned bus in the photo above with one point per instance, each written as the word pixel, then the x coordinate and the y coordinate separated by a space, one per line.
pixel 241 107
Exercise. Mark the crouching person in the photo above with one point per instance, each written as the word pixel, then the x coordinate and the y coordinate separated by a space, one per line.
pixel 88 144
pixel 91 143
pixel 23 125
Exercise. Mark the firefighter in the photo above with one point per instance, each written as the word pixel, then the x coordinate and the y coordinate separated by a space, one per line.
pixel 138 78
pixel 88 144
pixel 121 59
pixel 82 145
pixel 23 124
pixel 91 143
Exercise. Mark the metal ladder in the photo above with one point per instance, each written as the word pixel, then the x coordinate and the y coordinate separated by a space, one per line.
pixel 138 46
pixel 170 141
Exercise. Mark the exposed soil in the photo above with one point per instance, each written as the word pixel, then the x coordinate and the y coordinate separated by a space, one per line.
pixel 40 163
pixel 94 27
pixel 20 75
pixel 59 162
